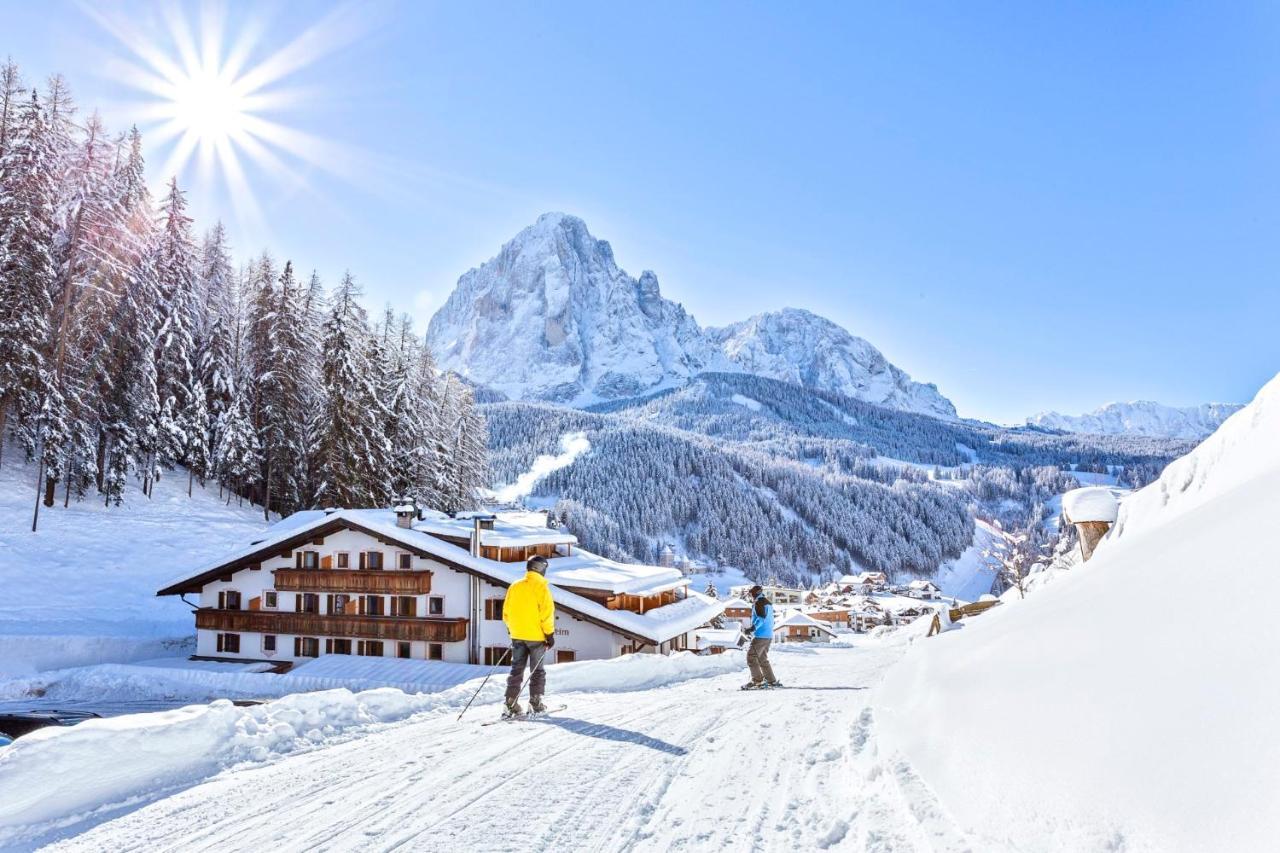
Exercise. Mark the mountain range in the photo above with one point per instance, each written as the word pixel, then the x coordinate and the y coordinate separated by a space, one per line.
pixel 1141 417
pixel 552 318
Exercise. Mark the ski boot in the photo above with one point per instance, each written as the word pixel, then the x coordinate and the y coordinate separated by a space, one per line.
pixel 536 705
pixel 753 685
pixel 512 709
pixel 772 684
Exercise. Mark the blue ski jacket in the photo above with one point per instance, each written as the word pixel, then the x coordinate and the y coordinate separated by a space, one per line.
pixel 762 619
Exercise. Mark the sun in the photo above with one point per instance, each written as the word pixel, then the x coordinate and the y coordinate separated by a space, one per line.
pixel 213 100
pixel 209 106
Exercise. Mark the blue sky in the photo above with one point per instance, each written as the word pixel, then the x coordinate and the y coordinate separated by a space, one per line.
pixel 1032 206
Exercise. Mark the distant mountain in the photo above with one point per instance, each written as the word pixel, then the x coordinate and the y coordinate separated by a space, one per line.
pixel 1141 417
pixel 552 318
pixel 799 346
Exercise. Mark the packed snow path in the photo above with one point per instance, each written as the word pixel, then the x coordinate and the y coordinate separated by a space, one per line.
pixel 699 765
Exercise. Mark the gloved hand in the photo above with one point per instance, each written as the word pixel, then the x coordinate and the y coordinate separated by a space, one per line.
pixel 551 640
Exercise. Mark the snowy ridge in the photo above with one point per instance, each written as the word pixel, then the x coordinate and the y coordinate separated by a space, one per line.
pixel 1105 674
pixel 553 318
pixel 799 346
pixel 1141 417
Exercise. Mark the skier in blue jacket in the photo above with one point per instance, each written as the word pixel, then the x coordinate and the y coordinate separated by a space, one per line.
pixel 761 638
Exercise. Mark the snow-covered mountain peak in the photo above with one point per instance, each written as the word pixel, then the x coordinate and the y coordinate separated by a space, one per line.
pixel 1141 417
pixel 799 346
pixel 552 317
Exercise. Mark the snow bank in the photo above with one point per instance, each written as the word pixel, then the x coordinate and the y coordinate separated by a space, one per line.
pixel 1092 503
pixel 57 774
pixel 1110 711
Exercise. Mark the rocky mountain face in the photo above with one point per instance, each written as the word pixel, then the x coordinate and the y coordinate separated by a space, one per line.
pixel 799 346
pixel 553 318
pixel 1141 417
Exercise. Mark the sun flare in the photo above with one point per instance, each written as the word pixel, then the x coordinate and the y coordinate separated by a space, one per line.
pixel 213 98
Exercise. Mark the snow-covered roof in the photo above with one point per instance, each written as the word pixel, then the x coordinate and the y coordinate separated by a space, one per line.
pixel 584 570
pixel 798 619
pixel 510 529
pixel 922 584
pixel 1092 503
pixel 657 625
pixel 708 637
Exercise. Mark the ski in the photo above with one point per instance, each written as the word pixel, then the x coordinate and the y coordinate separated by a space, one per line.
pixel 515 718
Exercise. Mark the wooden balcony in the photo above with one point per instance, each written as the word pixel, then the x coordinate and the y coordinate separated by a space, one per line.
pixel 371 581
pixel 433 629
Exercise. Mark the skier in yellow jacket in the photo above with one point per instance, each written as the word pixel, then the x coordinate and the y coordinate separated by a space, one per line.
pixel 530 617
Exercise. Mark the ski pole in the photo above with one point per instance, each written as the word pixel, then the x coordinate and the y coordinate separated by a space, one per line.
pixel 491 671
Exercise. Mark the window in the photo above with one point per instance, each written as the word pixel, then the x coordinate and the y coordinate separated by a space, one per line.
pixel 403 650
pixel 404 561
pixel 369 648
pixel 344 560
pixel 435 605
pixel 269 598
pixel 435 651
pixel 337 647
pixel 497 656
pixel 229 599
pixel 306 647
pixel 308 559
pixel 371 560
pixel 404 605
pixel 307 602
pixel 565 656
pixel 338 602
pixel 372 605
pixel 229 643
pixel 268 642
pixel 493 609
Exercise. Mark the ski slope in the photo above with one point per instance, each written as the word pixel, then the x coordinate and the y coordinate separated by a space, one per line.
pixel 695 765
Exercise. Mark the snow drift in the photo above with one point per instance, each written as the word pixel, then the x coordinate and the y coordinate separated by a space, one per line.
pixel 1125 706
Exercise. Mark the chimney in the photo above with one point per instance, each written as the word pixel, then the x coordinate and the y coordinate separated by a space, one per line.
pixel 405 515
pixel 478 523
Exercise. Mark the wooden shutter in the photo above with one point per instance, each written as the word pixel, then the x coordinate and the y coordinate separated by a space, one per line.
pixel 363 559
pixel 326 562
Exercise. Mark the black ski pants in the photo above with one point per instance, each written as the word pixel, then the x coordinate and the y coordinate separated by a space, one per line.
pixel 527 652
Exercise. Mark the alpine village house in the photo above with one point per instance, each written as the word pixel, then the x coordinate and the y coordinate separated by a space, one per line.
pixel 419 584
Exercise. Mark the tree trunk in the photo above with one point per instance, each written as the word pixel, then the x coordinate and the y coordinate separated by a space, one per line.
pixel 50 486
pixel 35 517
pixel 4 411
pixel 190 476
pixel 100 460
pixel 266 490
pixel 66 495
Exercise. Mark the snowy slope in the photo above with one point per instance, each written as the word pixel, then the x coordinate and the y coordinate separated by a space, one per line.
pixel 798 346
pixel 1127 705
pixel 90 573
pixel 653 754
pixel 553 318
pixel 1141 417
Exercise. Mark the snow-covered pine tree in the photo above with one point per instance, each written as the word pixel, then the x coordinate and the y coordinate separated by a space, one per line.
pixel 216 333
pixel 237 457
pixel 183 414
pixel 350 411
pixel 11 91
pixel 125 316
pixel 28 223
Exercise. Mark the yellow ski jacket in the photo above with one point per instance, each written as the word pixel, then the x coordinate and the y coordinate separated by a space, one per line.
pixel 529 612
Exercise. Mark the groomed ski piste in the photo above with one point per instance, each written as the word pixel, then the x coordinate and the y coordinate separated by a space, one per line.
pixel 652 753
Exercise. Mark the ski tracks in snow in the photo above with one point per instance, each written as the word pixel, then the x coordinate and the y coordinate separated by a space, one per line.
pixel 689 767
